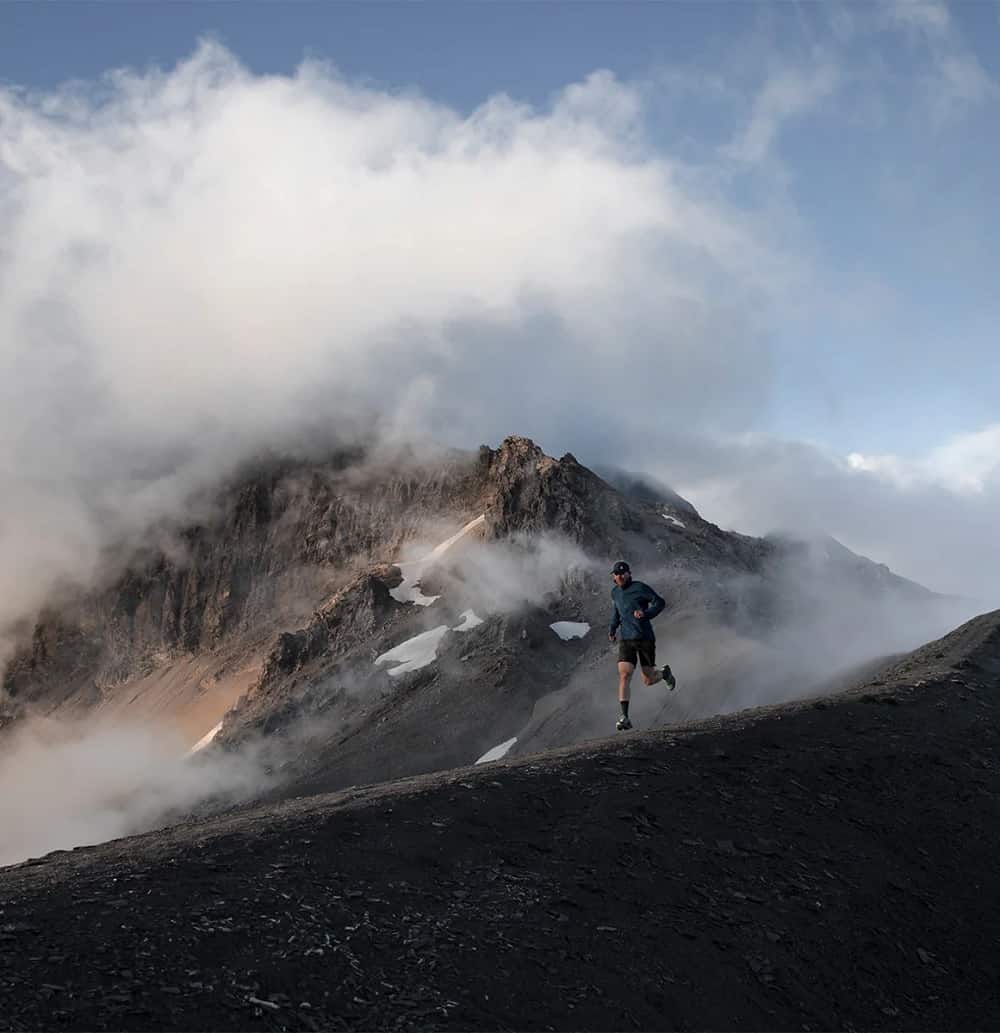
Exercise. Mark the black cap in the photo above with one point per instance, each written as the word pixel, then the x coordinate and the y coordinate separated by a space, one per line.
pixel 621 567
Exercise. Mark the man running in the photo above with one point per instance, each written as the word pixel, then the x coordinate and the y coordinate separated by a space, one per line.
pixel 633 606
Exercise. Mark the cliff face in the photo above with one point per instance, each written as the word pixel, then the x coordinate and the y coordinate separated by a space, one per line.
pixel 282 607
pixel 279 543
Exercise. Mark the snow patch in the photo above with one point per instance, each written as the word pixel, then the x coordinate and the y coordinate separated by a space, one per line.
pixel 205 739
pixel 408 591
pixel 469 621
pixel 497 752
pixel 673 520
pixel 441 549
pixel 570 629
pixel 415 652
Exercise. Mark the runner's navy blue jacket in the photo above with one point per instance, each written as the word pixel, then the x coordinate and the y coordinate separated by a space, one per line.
pixel 625 601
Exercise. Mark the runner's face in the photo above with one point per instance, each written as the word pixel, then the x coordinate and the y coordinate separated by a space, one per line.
pixel 620 579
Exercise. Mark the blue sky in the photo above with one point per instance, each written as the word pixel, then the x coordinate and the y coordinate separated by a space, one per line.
pixel 456 52
pixel 774 226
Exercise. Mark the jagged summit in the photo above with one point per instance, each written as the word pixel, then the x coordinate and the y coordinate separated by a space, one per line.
pixel 531 492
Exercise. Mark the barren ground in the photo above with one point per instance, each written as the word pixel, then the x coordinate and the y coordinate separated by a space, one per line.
pixel 824 865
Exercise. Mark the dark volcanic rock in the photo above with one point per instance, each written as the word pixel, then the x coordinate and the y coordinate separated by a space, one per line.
pixel 820 865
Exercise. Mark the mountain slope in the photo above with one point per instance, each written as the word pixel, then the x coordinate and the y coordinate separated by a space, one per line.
pixel 271 547
pixel 823 864
pixel 278 614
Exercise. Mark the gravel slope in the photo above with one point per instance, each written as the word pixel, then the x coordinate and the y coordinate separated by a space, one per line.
pixel 821 865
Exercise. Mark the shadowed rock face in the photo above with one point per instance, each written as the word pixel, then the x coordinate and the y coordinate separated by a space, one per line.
pixel 644 489
pixel 279 543
pixel 62 654
pixel 351 617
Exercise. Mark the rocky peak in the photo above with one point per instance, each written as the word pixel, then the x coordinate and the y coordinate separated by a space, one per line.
pixel 528 491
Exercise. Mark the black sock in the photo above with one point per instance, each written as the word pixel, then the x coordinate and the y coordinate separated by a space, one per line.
pixel 624 705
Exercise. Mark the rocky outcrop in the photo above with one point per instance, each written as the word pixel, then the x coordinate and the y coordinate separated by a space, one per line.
pixel 349 619
pixel 56 665
pixel 529 492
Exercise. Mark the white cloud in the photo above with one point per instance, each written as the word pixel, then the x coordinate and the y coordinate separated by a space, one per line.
pixel 200 263
pixel 966 463
pixel 954 79
pixel 964 80
pixel 930 518
pixel 787 94
pixel 64 785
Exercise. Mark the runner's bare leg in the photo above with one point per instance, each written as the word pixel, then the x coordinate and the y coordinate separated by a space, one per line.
pixel 624 677
pixel 651 675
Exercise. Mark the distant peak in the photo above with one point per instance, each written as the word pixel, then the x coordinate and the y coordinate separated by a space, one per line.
pixel 643 487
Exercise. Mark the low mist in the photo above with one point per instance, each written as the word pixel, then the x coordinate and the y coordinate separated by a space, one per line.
pixel 63 785
pixel 815 615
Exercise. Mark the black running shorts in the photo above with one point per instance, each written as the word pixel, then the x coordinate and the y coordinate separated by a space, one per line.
pixel 637 650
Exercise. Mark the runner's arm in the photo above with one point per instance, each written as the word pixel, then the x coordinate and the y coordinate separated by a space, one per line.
pixel 655 606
